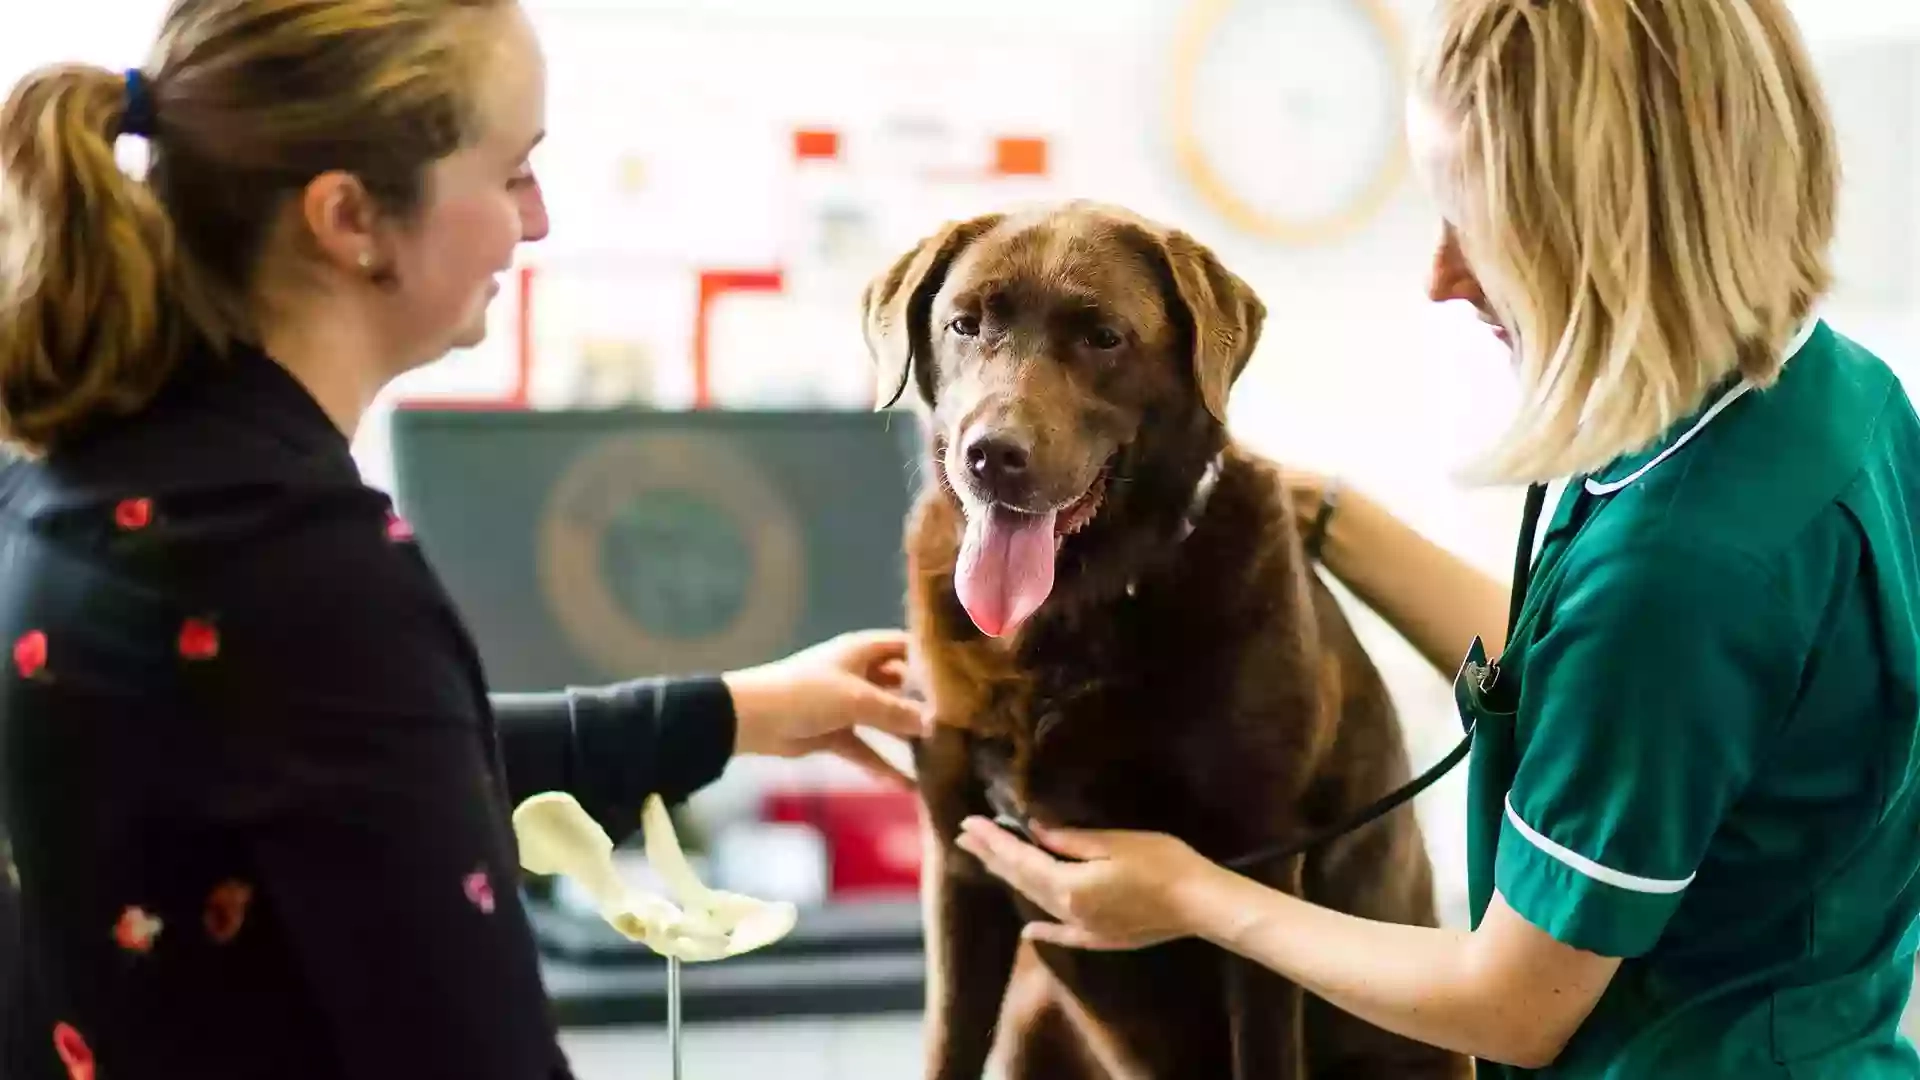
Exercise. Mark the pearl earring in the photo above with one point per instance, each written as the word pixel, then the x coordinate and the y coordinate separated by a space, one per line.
pixel 366 260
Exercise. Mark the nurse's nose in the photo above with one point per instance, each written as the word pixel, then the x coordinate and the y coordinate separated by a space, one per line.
pixel 1451 278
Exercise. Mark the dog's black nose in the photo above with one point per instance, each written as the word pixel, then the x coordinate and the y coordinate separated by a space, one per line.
pixel 999 462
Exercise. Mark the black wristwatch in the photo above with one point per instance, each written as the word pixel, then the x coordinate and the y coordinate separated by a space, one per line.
pixel 1316 535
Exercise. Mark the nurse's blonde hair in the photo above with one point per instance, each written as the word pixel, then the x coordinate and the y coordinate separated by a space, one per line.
pixel 1646 190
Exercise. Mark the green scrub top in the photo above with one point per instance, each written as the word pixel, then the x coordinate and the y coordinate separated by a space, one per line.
pixel 1701 750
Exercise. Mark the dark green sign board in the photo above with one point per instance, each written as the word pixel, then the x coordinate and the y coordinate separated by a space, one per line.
pixel 584 546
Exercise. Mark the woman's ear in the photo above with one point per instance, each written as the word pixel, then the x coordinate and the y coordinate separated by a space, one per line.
pixel 342 220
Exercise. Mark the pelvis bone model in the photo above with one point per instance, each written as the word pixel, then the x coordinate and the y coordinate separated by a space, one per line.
pixel 557 836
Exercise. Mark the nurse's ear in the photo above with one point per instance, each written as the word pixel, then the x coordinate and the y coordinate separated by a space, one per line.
pixel 1223 312
pixel 896 307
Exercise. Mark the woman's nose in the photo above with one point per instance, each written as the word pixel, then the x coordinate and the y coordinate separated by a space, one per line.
pixel 1451 279
pixel 533 213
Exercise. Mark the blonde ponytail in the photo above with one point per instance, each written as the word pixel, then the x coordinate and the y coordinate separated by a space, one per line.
pixel 106 278
pixel 89 326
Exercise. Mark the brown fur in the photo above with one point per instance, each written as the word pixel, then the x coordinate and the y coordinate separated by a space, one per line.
pixel 1209 687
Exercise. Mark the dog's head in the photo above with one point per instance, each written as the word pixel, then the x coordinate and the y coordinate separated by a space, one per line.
pixel 1052 353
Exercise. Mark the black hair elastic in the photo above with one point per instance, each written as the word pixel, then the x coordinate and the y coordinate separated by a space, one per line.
pixel 138 118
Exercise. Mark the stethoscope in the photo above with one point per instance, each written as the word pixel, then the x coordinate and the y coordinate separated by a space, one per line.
pixel 1483 674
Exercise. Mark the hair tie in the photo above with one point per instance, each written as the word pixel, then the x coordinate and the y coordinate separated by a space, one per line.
pixel 138 119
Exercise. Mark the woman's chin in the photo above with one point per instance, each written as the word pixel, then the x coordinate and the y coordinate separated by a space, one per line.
pixel 470 333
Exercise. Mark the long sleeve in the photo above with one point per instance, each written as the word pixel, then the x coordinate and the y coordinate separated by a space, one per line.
pixel 354 776
pixel 252 781
pixel 612 746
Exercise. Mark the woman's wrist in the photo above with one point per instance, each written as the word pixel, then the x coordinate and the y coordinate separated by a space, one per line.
pixel 752 691
pixel 1209 903
pixel 1328 510
pixel 1317 526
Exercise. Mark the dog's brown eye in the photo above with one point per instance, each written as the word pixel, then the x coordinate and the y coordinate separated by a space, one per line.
pixel 965 325
pixel 1103 337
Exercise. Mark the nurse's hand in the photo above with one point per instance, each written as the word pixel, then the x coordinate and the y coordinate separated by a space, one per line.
pixel 812 701
pixel 1126 892
pixel 1307 491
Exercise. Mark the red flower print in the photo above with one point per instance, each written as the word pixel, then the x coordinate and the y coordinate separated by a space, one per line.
pixel 30 653
pixel 398 529
pixel 199 640
pixel 131 514
pixel 227 910
pixel 73 1050
pixel 136 930
pixel 479 890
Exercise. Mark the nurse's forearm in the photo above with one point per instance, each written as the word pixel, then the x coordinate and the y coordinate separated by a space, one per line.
pixel 1415 981
pixel 1432 597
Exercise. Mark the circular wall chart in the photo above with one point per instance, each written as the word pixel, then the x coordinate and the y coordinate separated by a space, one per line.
pixel 671 553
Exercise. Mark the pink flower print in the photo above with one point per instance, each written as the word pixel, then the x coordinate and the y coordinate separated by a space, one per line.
pixel 30 654
pixel 199 640
pixel 136 930
pixel 226 910
pixel 479 890
pixel 133 514
pixel 398 529
pixel 74 1051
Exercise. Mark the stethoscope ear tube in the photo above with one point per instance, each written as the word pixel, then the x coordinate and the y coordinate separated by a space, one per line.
pixel 1536 501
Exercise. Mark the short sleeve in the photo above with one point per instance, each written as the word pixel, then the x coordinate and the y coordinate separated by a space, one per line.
pixel 1646 702
pixel 355 773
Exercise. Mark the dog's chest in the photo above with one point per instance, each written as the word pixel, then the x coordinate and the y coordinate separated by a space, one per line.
pixel 1075 752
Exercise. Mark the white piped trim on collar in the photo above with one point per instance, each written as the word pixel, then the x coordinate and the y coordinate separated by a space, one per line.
pixel 1595 487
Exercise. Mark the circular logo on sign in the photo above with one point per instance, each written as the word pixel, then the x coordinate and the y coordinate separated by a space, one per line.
pixel 671 553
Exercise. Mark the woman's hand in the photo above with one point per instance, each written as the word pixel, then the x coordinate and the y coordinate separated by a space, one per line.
pixel 1124 893
pixel 812 701
pixel 1306 490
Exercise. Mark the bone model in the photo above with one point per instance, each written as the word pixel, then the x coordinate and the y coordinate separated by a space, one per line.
pixel 557 836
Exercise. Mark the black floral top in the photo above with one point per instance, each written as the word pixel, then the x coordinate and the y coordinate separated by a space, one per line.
pixel 256 791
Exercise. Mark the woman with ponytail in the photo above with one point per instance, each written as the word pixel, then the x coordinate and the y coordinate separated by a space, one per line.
pixel 256 791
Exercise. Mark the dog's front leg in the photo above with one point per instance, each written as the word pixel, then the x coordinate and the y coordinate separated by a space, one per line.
pixel 1266 1012
pixel 971 925
pixel 973 934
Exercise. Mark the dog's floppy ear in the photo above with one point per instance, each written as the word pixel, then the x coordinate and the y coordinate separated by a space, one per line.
pixel 1224 311
pixel 896 306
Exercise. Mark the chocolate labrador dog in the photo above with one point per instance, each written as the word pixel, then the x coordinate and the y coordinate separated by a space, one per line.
pixel 1118 629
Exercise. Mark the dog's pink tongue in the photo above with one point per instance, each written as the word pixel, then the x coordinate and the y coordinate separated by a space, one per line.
pixel 1006 567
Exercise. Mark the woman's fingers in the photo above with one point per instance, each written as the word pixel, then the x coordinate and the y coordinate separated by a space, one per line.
pixel 851 747
pixel 1073 843
pixel 1027 868
pixel 861 651
pixel 888 711
pixel 1072 937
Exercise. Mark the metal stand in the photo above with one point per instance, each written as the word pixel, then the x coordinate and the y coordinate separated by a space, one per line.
pixel 673 1013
